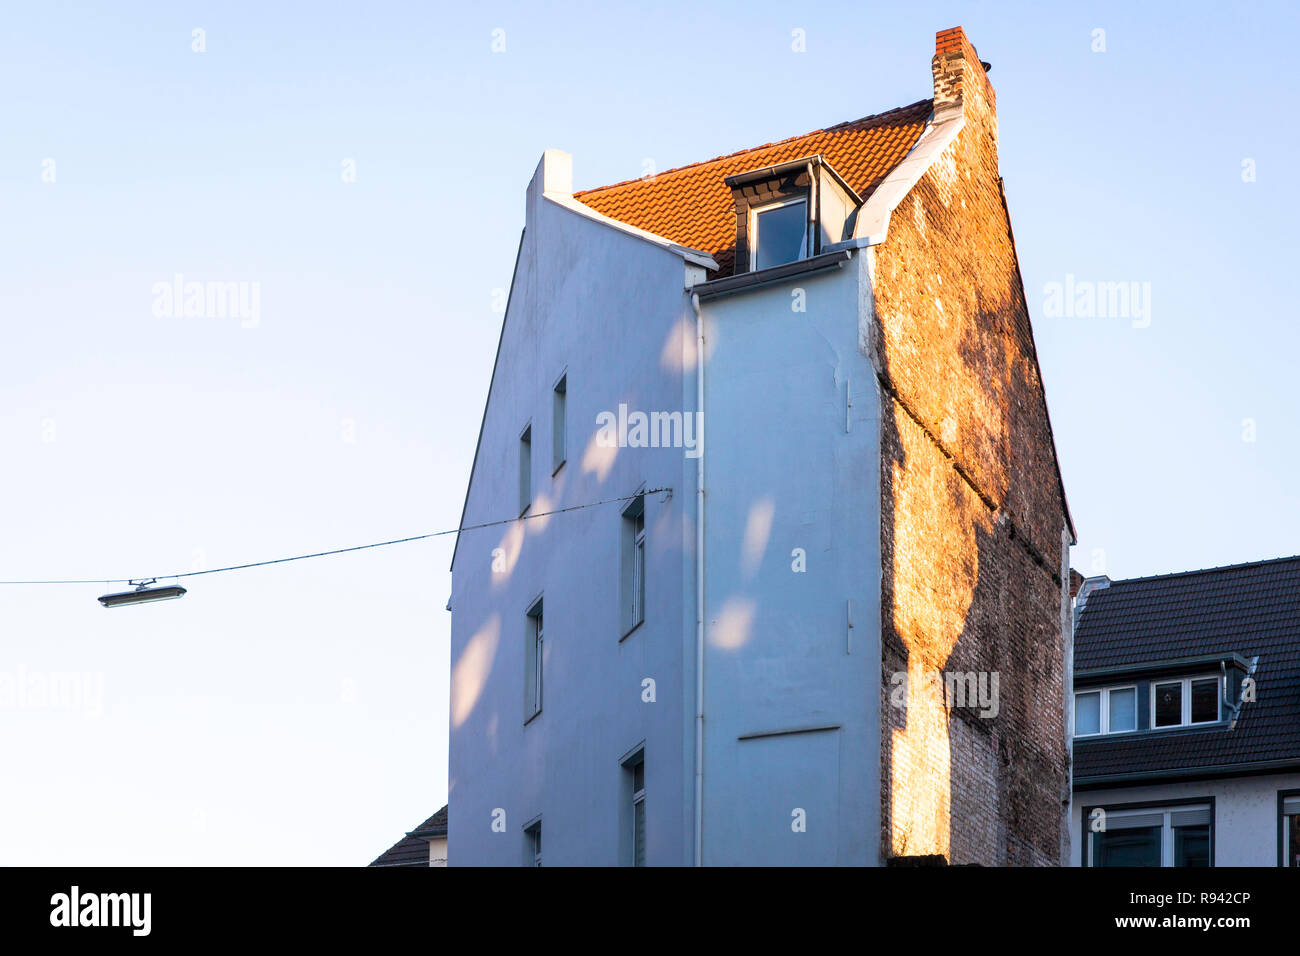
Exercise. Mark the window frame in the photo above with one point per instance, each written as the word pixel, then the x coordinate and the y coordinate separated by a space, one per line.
pixel 633 565
pixel 560 423
pixel 1185 715
pixel 752 237
pixel 1167 808
pixel 533 842
pixel 526 469
pixel 534 658
pixel 1103 716
pixel 636 801
pixel 1282 830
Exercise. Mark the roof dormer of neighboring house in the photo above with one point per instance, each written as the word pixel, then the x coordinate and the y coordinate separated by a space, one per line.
pixel 1187 675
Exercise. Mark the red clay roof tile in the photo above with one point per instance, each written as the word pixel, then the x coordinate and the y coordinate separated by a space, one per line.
pixel 692 205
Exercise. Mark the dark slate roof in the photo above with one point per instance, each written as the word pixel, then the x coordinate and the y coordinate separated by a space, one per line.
pixel 1247 609
pixel 413 849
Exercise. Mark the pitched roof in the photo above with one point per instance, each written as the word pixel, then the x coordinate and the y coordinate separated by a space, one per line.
pixel 692 205
pixel 1247 609
pixel 413 849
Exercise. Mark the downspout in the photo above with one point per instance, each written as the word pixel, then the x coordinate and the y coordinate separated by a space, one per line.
pixel 699 588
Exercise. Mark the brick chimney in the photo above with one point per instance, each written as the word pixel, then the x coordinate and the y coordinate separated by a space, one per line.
pixel 961 81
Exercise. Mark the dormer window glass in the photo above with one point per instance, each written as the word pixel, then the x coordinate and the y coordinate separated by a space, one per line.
pixel 1179 703
pixel 778 234
pixel 1107 710
pixel 790 211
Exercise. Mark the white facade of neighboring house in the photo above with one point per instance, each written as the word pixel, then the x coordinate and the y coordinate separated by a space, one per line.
pixel 1187 719
pixel 1249 815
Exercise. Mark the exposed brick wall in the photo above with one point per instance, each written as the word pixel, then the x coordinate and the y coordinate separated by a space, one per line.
pixel 972 513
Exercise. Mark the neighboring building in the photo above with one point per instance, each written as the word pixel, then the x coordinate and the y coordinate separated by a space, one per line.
pixel 1187 718
pixel 715 674
pixel 426 845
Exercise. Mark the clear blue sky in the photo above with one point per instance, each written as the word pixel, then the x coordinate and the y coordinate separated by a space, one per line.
pixel 298 714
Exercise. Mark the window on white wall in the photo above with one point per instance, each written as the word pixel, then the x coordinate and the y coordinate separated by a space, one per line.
pixel 534 657
pixel 634 565
pixel 1173 836
pixel 525 469
pixel 1289 850
pixel 635 769
pixel 559 424
pixel 533 844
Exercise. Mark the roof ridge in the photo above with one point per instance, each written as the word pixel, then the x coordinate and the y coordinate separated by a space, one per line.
pixel 1213 570
pixel 847 124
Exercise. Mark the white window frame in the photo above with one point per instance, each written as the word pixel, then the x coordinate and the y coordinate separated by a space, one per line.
pixel 1288 809
pixel 525 469
pixel 638 801
pixel 632 566
pixel 638 570
pixel 1186 715
pixel 559 423
pixel 756 211
pixel 536 619
pixel 1103 719
pixel 1166 827
pixel 533 832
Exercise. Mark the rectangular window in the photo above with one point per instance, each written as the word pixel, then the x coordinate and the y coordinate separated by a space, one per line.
pixel 1087 714
pixel 559 432
pixel 1122 713
pixel 1107 710
pixel 1179 836
pixel 526 469
pixel 534 657
pixel 637 771
pixel 778 233
pixel 1290 829
pixel 1205 700
pixel 1185 701
pixel 533 844
pixel 634 565
pixel 1168 704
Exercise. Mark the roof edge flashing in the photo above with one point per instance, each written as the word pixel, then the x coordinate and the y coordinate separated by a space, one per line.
pixel 873 218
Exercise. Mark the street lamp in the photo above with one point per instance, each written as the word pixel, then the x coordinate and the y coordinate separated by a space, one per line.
pixel 143 594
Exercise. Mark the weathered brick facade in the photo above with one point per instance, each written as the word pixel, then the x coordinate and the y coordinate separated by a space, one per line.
pixel 973 513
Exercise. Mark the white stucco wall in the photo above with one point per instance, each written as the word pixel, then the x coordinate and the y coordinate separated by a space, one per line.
pixel 1245 813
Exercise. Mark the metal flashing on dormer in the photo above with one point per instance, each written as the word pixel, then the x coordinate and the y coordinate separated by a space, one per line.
pixel 749 281
pixel 1170 665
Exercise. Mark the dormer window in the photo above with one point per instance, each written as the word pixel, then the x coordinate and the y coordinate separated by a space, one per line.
pixel 1191 700
pixel 790 211
pixel 778 233
pixel 1161 703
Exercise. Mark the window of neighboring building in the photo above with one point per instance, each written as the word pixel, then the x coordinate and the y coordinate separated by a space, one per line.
pixel 634 565
pixel 559 430
pixel 533 660
pixel 1107 710
pixel 1177 836
pixel 1189 700
pixel 533 844
pixel 526 469
pixel 778 233
pixel 1289 849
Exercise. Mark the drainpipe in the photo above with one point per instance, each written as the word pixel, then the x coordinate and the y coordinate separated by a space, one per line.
pixel 699 588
